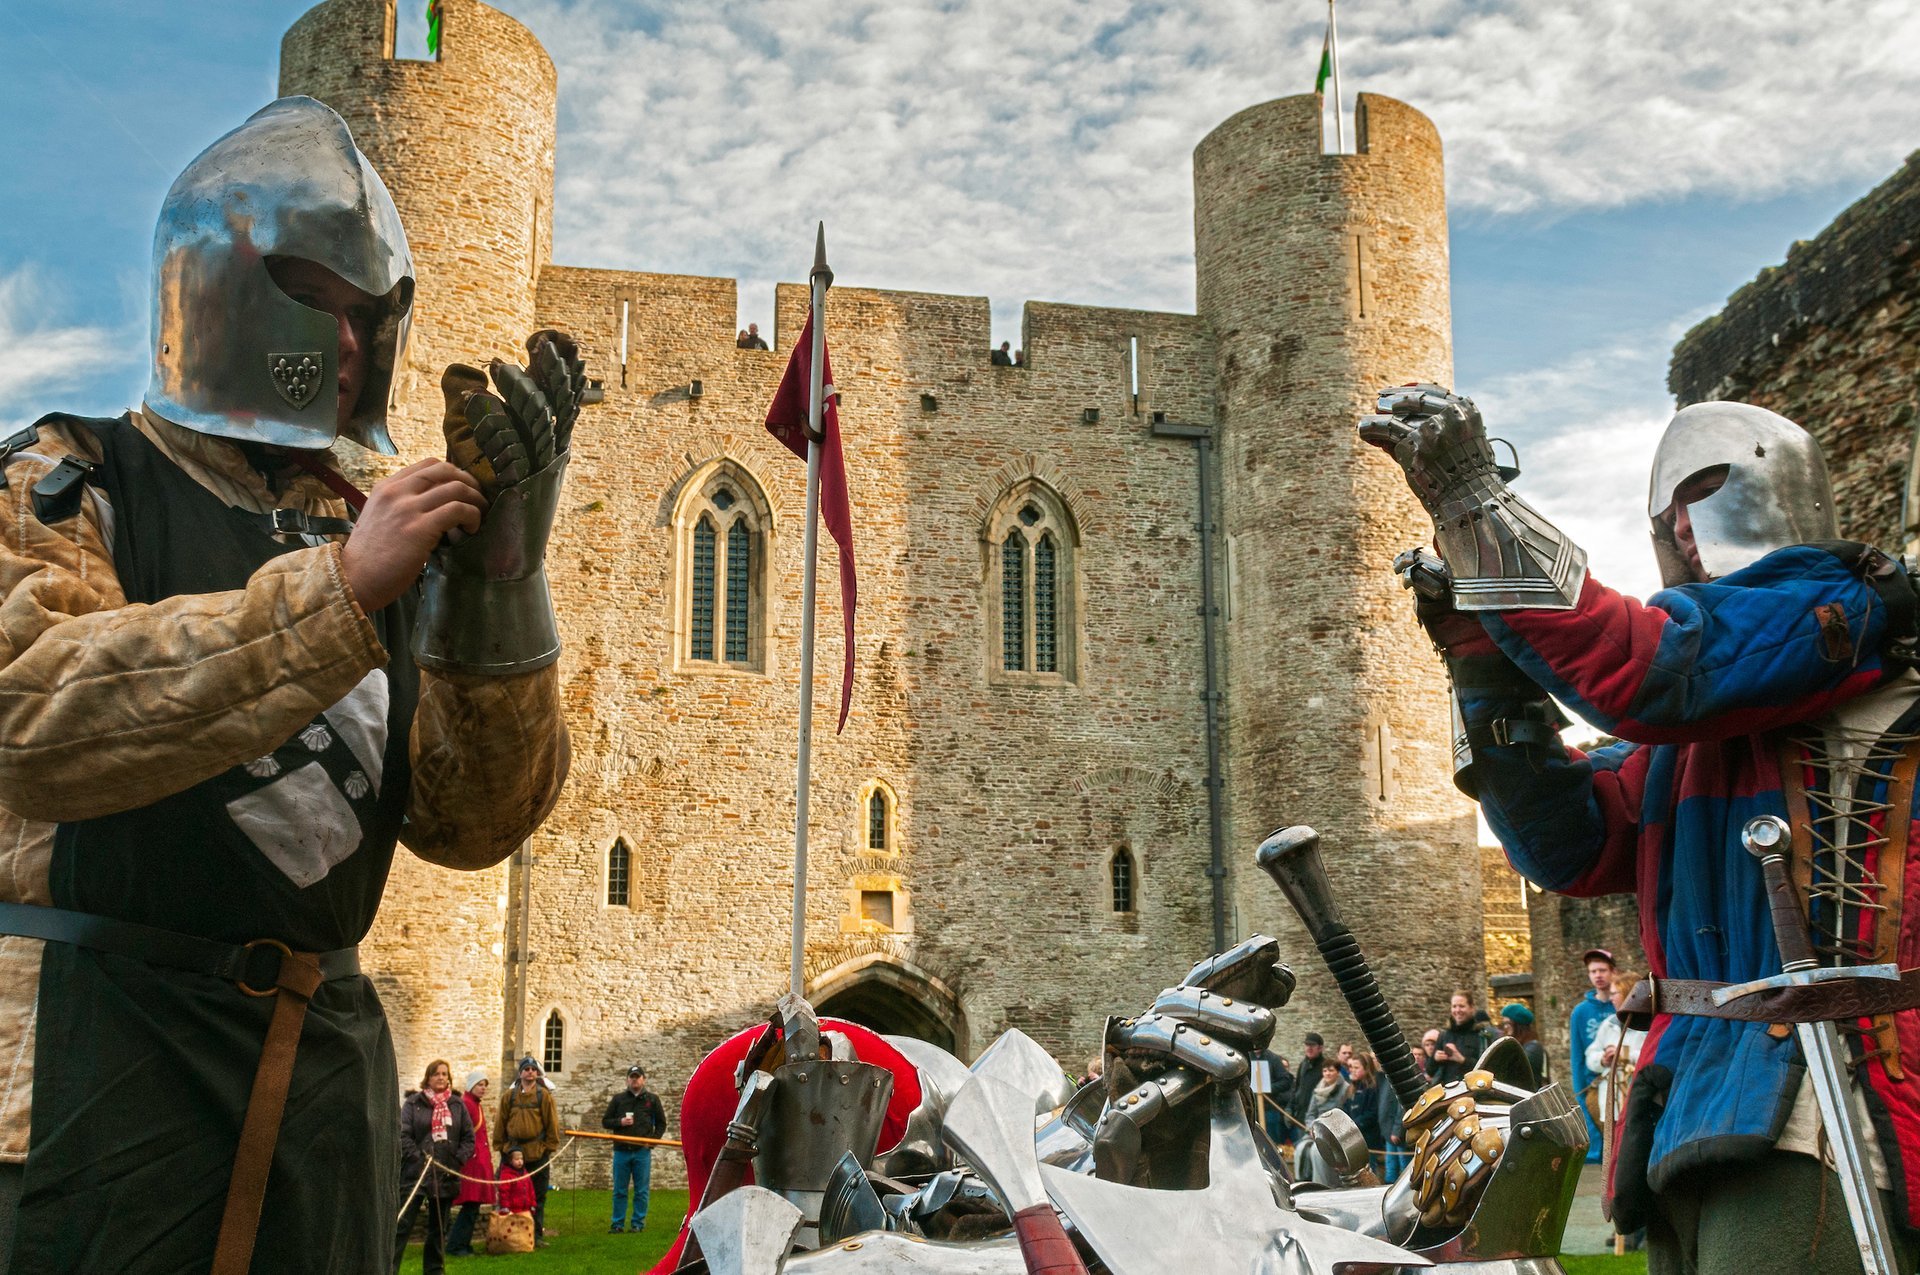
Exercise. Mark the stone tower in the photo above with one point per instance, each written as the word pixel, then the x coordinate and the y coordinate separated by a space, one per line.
pixel 1324 277
pixel 465 145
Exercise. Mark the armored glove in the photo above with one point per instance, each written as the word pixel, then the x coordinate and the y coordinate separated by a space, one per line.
pixel 486 608
pixel 1476 666
pixel 1456 1133
pixel 1504 555
pixel 1199 1033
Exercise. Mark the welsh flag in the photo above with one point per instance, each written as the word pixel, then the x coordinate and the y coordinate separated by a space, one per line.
pixel 1326 63
pixel 433 27
pixel 787 421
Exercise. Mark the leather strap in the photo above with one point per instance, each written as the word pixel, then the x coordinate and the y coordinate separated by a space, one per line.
pixel 1890 866
pixel 1044 1245
pixel 298 979
pixel 1813 1003
pixel 253 964
pixel 1793 785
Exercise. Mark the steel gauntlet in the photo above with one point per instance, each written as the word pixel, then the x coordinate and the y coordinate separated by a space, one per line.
pixel 487 608
pixel 1504 555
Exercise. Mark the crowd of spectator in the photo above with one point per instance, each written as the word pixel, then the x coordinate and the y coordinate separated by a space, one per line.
pixel 454 1160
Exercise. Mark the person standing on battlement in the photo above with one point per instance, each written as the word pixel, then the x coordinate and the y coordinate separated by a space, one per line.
pixel 223 700
pixel 1769 686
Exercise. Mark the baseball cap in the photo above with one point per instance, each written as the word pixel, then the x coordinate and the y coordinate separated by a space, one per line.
pixel 636 1070
pixel 1313 1038
pixel 1596 954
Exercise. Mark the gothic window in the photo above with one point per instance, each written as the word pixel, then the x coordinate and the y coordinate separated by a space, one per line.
pixel 1031 581
pixel 877 820
pixel 724 525
pixel 1120 872
pixel 553 1045
pixel 619 872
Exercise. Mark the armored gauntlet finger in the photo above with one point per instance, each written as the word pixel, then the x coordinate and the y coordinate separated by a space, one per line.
pixel 1503 554
pixel 458 384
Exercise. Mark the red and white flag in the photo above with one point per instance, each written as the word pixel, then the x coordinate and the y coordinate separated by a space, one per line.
pixel 787 421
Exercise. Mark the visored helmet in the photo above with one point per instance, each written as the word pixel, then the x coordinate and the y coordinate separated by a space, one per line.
pixel 235 356
pixel 1773 489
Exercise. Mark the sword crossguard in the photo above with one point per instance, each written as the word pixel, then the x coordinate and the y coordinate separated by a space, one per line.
pixel 1804 978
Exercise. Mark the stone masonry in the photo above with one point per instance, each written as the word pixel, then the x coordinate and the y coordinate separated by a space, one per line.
pixel 1831 339
pixel 1322 277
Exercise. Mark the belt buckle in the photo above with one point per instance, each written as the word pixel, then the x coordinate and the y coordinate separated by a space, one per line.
pixel 287 522
pixel 241 982
pixel 1502 731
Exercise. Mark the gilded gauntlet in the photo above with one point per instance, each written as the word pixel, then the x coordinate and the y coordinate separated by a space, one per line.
pixel 487 609
pixel 1503 554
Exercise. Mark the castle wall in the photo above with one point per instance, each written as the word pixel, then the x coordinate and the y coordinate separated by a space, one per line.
pixel 465 145
pixel 1831 339
pixel 1321 278
pixel 1324 278
pixel 1010 797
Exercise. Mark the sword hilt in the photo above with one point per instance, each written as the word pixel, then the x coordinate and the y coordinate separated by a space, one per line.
pixel 1766 838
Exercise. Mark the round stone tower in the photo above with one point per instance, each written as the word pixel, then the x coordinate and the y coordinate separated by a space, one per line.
pixel 1323 278
pixel 465 144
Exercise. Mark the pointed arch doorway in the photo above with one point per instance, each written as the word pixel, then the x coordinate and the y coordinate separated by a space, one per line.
pixel 893 997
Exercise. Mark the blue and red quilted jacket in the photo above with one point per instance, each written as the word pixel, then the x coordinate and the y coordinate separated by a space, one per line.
pixel 1697 683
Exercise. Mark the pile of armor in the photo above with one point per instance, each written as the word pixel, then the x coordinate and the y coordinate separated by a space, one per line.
pixel 1162 1165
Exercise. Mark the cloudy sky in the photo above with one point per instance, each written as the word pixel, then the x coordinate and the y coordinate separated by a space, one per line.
pixel 1615 167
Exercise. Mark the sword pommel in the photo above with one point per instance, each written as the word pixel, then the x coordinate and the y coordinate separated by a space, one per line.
pixel 1767 839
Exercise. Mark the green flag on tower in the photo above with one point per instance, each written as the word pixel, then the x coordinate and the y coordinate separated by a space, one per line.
pixel 433 28
pixel 1326 63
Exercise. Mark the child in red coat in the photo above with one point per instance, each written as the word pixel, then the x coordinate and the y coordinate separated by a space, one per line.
pixel 516 1187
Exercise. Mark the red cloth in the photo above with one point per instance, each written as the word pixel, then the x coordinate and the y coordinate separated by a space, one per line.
pixel 787 421
pixel 708 1104
pixel 480 1164
pixel 516 1190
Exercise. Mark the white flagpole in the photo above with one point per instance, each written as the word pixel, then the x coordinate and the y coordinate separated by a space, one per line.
pixel 818 280
pixel 1333 46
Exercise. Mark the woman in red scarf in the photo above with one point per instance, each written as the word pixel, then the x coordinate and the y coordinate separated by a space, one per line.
pixel 436 1138
pixel 476 1181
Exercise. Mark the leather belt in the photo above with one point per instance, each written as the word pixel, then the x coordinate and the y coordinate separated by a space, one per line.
pixel 1813 1003
pixel 264 967
pixel 254 966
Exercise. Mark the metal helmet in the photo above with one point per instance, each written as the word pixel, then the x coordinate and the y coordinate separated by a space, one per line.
pixel 1776 491
pixel 235 356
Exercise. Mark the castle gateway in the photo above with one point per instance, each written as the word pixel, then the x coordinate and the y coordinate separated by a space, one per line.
pixel 1023 824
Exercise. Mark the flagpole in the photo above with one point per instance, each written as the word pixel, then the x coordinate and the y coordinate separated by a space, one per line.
pixel 1333 46
pixel 818 281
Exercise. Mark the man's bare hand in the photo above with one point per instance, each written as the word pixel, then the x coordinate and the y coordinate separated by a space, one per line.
pixel 405 518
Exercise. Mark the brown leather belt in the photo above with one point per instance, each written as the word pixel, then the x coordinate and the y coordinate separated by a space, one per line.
pixel 1814 1003
pixel 264 967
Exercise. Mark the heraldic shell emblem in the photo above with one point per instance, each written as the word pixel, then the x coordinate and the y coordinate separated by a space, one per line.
pixel 296 376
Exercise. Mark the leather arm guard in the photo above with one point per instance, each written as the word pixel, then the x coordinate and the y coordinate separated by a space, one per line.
pixel 487 608
pixel 1504 555
pixel 1475 667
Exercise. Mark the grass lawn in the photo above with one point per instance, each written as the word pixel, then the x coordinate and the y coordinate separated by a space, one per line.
pixel 1629 1264
pixel 583 1246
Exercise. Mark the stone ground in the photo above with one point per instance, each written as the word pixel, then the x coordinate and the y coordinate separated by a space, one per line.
pixel 1587 1230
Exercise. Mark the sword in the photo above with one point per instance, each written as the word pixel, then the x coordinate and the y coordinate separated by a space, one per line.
pixel 1766 838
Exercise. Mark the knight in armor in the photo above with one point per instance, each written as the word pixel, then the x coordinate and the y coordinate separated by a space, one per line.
pixel 223 699
pixel 1773 675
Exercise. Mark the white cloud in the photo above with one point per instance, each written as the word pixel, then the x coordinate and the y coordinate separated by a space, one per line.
pixel 38 359
pixel 1044 149
pixel 1585 429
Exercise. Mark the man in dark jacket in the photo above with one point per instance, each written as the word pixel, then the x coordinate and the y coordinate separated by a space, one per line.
pixel 436 1138
pixel 1305 1077
pixel 635 1112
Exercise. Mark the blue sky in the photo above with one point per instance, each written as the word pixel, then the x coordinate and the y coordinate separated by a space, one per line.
pixel 1615 167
